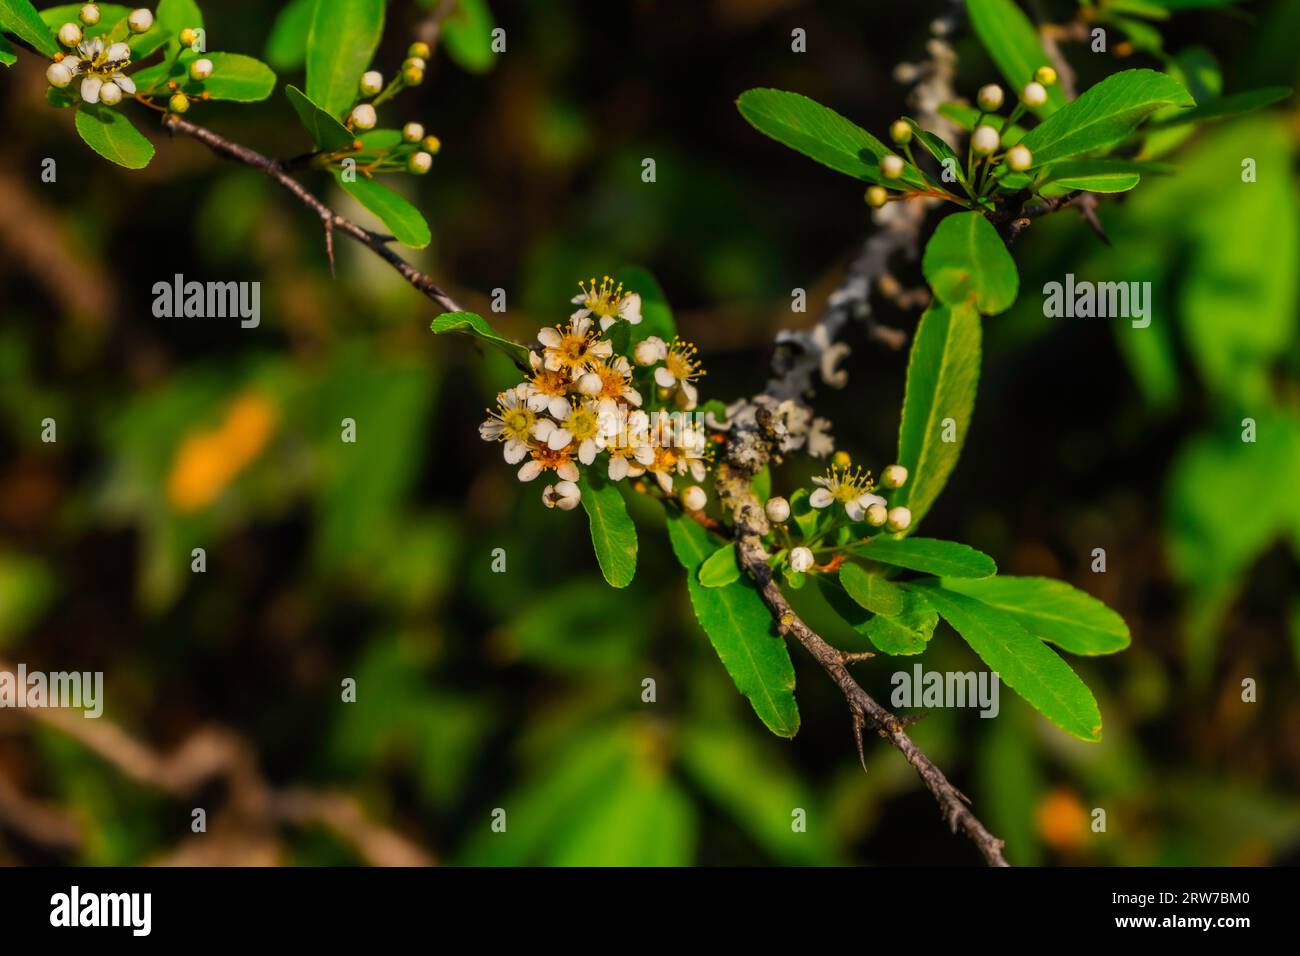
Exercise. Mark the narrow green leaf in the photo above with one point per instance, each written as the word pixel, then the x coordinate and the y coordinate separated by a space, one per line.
pixel 467 36
pixel 740 628
pixel 965 260
pixel 1104 114
pixel 1022 661
pixel 286 47
pixel 1052 610
pixel 877 594
pixel 906 633
pixel 942 377
pixel 1013 44
pixel 325 131
pixel 821 134
pixel 402 219
pixel 111 134
pixel 475 326
pixel 1101 175
pixel 20 18
pixel 965 116
pixel 613 534
pixel 720 568
pixel 929 555
pixel 340 45
pixel 938 147
pixel 7 55
pixel 1223 107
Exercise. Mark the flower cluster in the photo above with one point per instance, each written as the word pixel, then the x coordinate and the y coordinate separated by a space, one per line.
pixel 581 400
pixel 100 64
pixel 416 150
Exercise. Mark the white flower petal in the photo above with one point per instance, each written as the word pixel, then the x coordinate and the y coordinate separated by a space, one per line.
pixel 549 337
pixel 587 451
pixel 820 498
pixel 665 378
pixel 515 451
pixel 530 471
pixel 568 471
pixel 558 406
pixel 126 83
pixel 90 87
pixel 854 510
pixel 559 438
pixel 617 468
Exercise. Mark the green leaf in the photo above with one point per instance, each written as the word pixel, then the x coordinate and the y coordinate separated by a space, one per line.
pixel 965 116
pixel 20 18
pixel 395 211
pixel 877 594
pixel 613 534
pixel 1022 661
pixel 475 326
pixel 340 45
pixel 938 147
pixel 286 47
pixel 821 134
pixel 235 78
pixel 1104 114
pixel 325 131
pixel 1093 175
pixel 929 555
pixel 904 634
pixel 965 260
pixel 739 626
pixel 942 377
pixel 1052 610
pixel 7 55
pixel 1223 107
pixel 656 314
pixel 720 568
pixel 761 484
pixel 804 515
pixel 1013 44
pixel 111 134
pixel 173 16
pixel 467 36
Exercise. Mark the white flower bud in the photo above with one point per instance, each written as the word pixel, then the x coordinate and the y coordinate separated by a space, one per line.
pixel 110 94
pixel 419 163
pixel 894 476
pixel 59 75
pixel 201 69
pixel 985 140
pixel 778 510
pixel 877 515
pixel 891 166
pixel 801 559
pixel 415 63
pixel 413 132
pixel 89 15
pixel 69 34
pixel 140 20
pixel 118 52
pixel 371 83
pixel 590 384
pixel 1019 158
pixel 990 98
pixel 694 498
pixel 900 131
pixel 899 519
pixel 364 116
pixel 1034 94
pixel 650 350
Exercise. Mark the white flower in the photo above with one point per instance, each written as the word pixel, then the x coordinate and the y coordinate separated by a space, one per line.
pixel 607 302
pixel 100 66
pixel 778 510
pixel 548 459
pixel 850 488
pixel 680 369
pixel 694 498
pixel 513 423
pixel 575 349
pixel 140 20
pixel 563 495
pixel 650 350
pixel 801 559
pixel 364 116
pixel 579 426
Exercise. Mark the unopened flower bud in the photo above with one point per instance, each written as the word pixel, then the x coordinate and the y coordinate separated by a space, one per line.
pixel 894 476
pixel 432 144
pixel 877 515
pixel 69 34
pixel 59 75
pixel 118 52
pixel 650 350
pixel 1019 158
pixel 590 384
pixel 414 63
pixel 364 116
pixel 801 559
pixel 841 459
pixel 140 20
pixel 110 94
pixel 179 103
pixel 778 510
pixel 187 36
pixel 1034 94
pixel 900 131
pixel 419 51
pixel 694 498
pixel 419 163
pixel 900 518
pixel 412 76
pixel 371 83
pixel 990 98
pixel 412 132
pixel 891 166
pixel 201 69
pixel 89 15
pixel 877 196
pixel 1045 75
pixel 985 140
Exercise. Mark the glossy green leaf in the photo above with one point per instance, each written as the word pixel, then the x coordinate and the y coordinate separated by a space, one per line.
pixel 325 131
pixel 403 220
pixel 741 630
pixel 341 43
pixel 1093 175
pixel 1022 661
pixel 965 116
pixel 720 568
pixel 820 134
pixel 467 35
pixel 1225 107
pixel 929 555
pixel 475 326
pixel 1051 610
pixel 613 534
pixel 1104 114
pixel 1013 44
pixel 7 55
pixel 942 378
pixel 877 594
pixel 108 132
pixel 938 148
pixel 235 78
pixel 20 18
pixel 966 261
pixel 286 47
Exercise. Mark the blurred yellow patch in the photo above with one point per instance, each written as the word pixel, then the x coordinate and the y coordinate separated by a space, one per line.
pixel 207 461
pixel 1062 820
